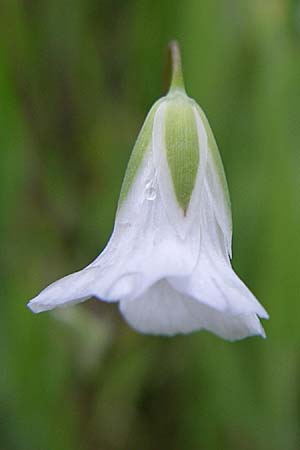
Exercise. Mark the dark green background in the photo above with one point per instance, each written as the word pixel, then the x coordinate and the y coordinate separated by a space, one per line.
pixel 76 80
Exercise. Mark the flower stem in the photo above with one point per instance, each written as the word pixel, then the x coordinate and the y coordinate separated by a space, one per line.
pixel 176 67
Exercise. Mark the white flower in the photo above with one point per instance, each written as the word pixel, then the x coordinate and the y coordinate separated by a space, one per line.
pixel 168 259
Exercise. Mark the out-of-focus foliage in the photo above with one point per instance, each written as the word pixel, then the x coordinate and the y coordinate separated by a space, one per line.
pixel 76 80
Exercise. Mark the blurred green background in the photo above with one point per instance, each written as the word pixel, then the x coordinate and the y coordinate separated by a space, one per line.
pixel 76 81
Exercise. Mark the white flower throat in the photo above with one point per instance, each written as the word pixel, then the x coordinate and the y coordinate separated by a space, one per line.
pixel 167 262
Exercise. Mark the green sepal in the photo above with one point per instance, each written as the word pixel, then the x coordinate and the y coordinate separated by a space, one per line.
pixel 182 147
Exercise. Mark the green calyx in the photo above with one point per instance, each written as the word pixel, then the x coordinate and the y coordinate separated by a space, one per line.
pixel 182 147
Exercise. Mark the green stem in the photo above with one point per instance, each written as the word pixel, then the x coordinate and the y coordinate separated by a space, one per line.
pixel 176 67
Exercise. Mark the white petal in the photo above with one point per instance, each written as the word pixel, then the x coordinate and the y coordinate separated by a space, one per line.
pixel 216 181
pixel 213 281
pixel 163 310
pixel 77 287
pixel 215 284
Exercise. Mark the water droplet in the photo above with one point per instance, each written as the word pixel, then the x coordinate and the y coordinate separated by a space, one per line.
pixel 150 192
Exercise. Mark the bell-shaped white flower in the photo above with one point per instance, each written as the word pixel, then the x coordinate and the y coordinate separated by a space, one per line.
pixel 167 262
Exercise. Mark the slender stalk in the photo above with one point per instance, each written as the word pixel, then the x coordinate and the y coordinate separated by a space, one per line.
pixel 176 67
